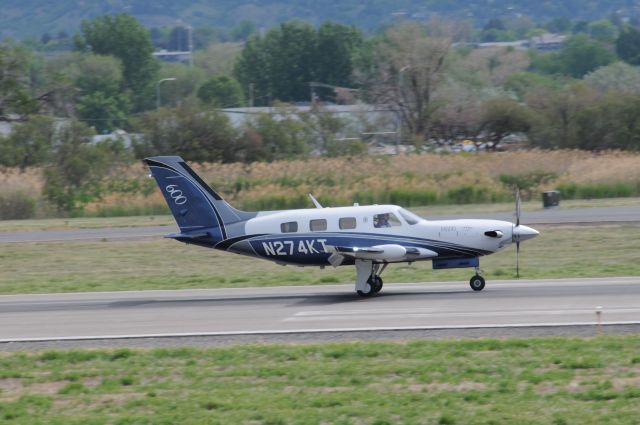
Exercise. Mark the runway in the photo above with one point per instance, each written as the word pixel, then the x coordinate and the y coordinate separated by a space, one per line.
pixel 254 313
pixel 621 214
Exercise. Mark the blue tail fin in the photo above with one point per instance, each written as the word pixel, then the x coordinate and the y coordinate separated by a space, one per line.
pixel 196 207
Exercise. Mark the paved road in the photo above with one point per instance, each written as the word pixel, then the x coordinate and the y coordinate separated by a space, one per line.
pixel 320 309
pixel 550 216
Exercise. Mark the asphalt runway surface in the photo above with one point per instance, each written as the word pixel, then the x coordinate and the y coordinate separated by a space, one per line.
pixel 319 313
pixel 548 216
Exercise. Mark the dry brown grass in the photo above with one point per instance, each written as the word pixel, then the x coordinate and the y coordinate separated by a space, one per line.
pixel 343 180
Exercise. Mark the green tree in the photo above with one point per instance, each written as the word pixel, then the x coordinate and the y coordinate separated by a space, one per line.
pixel 555 114
pixel 619 77
pixel 581 56
pixel 195 134
pixel 125 38
pixel 78 167
pixel 611 123
pixel 628 45
pixel 504 116
pixel 602 30
pixel 272 137
pixel 30 143
pixel 222 92
pixel 334 56
pixel 281 64
pixel 15 94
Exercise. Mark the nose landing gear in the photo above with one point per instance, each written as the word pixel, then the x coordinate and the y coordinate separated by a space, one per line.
pixel 477 282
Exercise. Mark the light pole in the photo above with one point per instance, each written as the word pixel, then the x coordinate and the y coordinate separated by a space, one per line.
pixel 158 90
pixel 398 117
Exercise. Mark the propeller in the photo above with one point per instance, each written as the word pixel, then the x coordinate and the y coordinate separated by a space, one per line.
pixel 520 233
pixel 516 235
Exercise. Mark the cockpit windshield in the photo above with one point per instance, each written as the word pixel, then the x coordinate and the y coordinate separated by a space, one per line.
pixel 410 217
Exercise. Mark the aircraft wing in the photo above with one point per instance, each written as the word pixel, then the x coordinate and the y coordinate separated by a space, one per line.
pixel 387 252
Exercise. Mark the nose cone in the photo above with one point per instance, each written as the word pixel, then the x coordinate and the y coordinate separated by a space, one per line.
pixel 522 233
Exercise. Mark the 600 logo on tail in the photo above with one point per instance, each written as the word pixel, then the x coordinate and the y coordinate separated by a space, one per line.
pixel 176 194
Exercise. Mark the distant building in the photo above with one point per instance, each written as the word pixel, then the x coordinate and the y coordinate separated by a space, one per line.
pixel 175 56
pixel 548 42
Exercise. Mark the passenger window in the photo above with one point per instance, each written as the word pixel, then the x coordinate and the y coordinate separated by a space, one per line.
pixel 385 220
pixel 347 223
pixel 289 227
pixel 318 225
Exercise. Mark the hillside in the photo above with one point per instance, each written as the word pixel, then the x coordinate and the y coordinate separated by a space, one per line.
pixel 32 18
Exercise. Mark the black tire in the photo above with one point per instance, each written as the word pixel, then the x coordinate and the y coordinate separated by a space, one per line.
pixel 377 284
pixel 477 283
pixel 367 294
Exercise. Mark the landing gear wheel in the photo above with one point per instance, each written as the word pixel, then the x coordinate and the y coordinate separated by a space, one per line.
pixel 477 283
pixel 369 291
pixel 376 284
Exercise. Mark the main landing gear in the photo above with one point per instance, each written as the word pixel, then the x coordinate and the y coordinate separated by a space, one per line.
pixel 477 281
pixel 368 280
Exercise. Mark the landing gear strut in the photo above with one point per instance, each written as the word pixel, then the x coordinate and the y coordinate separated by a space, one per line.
pixel 477 281
pixel 368 280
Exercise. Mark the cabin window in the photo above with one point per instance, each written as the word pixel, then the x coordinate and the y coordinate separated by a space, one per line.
pixel 410 217
pixel 289 227
pixel 347 223
pixel 318 225
pixel 385 220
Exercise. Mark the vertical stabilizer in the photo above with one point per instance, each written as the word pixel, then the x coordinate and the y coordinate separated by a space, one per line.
pixel 194 205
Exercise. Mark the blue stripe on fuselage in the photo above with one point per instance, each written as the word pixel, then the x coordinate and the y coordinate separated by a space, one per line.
pixel 310 248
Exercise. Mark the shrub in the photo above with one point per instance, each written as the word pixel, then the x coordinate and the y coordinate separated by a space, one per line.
pixel 16 206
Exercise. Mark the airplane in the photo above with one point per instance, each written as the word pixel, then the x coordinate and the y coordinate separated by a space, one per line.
pixel 368 237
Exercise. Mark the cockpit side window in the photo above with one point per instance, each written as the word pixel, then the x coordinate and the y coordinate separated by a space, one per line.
pixel 410 217
pixel 289 227
pixel 386 220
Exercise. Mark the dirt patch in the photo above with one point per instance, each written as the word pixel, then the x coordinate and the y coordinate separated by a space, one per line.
pixel 620 384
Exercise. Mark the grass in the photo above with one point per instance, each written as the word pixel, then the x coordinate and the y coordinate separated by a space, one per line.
pixel 409 180
pixel 113 265
pixel 167 220
pixel 518 381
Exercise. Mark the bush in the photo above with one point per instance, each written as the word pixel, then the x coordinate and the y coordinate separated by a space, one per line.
pixel 16 206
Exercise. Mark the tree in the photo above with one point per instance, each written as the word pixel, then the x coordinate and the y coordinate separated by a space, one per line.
pixel 218 58
pixel 602 30
pixel 333 59
pixel 555 114
pixel 187 81
pixel 78 167
pixel 612 123
pixel 411 67
pixel 15 95
pixel 628 45
pixel 281 64
pixel 581 56
pixel 619 77
pixel 30 143
pixel 501 117
pixel 222 92
pixel 272 137
pixel 195 134
pixel 125 38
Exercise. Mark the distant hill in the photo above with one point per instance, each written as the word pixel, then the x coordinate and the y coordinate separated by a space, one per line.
pixel 33 18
